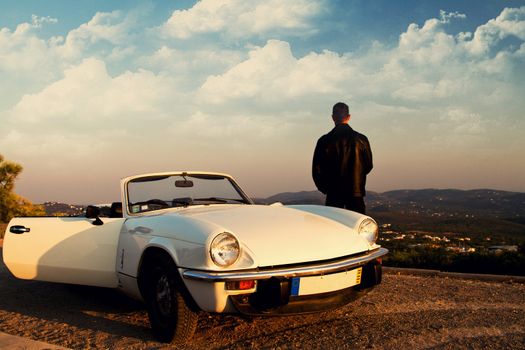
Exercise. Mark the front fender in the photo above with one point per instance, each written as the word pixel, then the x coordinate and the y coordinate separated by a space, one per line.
pixel 185 239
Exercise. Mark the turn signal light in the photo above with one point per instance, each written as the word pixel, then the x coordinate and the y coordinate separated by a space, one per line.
pixel 240 285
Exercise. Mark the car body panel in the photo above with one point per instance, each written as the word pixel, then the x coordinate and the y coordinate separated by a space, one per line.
pixel 64 249
pixel 282 235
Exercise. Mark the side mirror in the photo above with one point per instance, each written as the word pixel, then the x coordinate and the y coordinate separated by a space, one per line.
pixel 93 212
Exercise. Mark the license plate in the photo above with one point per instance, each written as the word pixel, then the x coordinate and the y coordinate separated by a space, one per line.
pixel 326 283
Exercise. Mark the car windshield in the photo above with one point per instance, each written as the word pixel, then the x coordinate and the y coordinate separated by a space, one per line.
pixel 167 191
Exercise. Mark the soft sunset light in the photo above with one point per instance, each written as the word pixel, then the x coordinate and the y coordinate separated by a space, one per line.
pixel 93 92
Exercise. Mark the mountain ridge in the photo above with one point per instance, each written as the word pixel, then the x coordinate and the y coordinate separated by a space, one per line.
pixel 478 200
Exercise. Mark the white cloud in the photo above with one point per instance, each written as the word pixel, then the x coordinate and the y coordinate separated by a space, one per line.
pixel 431 65
pixel 62 145
pixel 37 21
pixel 240 18
pixel 253 77
pixel 239 128
pixel 425 46
pixel 111 28
pixel 191 67
pixel 459 124
pixel 445 17
pixel 273 73
pixel 87 93
pixel 511 22
pixel 23 51
pixel 27 62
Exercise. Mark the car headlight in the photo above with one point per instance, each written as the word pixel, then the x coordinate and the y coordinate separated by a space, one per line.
pixel 369 230
pixel 224 249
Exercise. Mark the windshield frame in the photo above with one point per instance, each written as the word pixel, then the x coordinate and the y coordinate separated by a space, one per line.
pixel 245 200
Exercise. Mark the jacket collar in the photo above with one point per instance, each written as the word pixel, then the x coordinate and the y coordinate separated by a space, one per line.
pixel 342 126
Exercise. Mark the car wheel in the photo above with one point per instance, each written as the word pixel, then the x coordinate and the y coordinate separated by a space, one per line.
pixel 171 318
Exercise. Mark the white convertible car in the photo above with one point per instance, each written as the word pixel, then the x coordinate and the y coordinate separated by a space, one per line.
pixel 190 241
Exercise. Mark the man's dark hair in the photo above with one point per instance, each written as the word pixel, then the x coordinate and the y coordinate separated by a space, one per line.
pixel 340 112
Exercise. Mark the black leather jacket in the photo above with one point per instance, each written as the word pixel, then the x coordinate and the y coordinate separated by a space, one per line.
pixel 342 159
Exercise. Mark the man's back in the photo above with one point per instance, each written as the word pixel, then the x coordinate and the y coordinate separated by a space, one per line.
pixel 343 158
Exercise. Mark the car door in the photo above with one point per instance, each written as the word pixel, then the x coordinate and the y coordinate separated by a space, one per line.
pixel 63 249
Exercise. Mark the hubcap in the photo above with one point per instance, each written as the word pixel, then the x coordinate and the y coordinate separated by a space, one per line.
pixel 163 295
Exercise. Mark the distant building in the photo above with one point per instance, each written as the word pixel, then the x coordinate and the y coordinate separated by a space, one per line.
pixel 461 249
pixel 435 238
pixel 497 249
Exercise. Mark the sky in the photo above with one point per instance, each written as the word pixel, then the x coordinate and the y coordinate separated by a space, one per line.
pixel 91 92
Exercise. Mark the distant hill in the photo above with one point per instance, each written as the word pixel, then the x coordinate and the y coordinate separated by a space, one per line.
pixel 426 201
pixel 486 201
pixel 62 209
pixel 303 197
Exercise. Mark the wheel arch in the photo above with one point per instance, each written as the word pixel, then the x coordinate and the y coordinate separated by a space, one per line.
pixel 149 258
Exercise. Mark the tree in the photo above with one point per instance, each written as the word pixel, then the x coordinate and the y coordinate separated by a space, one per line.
pixel 12 204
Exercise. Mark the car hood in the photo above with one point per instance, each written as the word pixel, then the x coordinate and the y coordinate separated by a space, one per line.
pixel 279 235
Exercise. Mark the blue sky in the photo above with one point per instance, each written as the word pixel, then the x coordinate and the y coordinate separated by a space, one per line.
pixel 94 91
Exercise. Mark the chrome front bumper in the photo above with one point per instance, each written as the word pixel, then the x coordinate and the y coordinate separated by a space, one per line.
pixel 287 272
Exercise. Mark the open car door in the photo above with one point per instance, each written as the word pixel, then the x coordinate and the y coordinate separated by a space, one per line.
pixel 63 249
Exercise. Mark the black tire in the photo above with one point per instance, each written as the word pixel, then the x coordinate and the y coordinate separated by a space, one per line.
pixel 171 318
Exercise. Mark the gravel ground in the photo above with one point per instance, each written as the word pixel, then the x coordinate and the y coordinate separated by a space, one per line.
pixel 403 312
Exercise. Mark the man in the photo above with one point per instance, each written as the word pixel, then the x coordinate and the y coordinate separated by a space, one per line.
pixel 342 159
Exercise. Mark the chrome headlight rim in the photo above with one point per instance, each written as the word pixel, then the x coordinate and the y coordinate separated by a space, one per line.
pixel 225 249
pixel 369 230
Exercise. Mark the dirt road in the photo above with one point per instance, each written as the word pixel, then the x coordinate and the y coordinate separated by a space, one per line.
pixel 405 312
